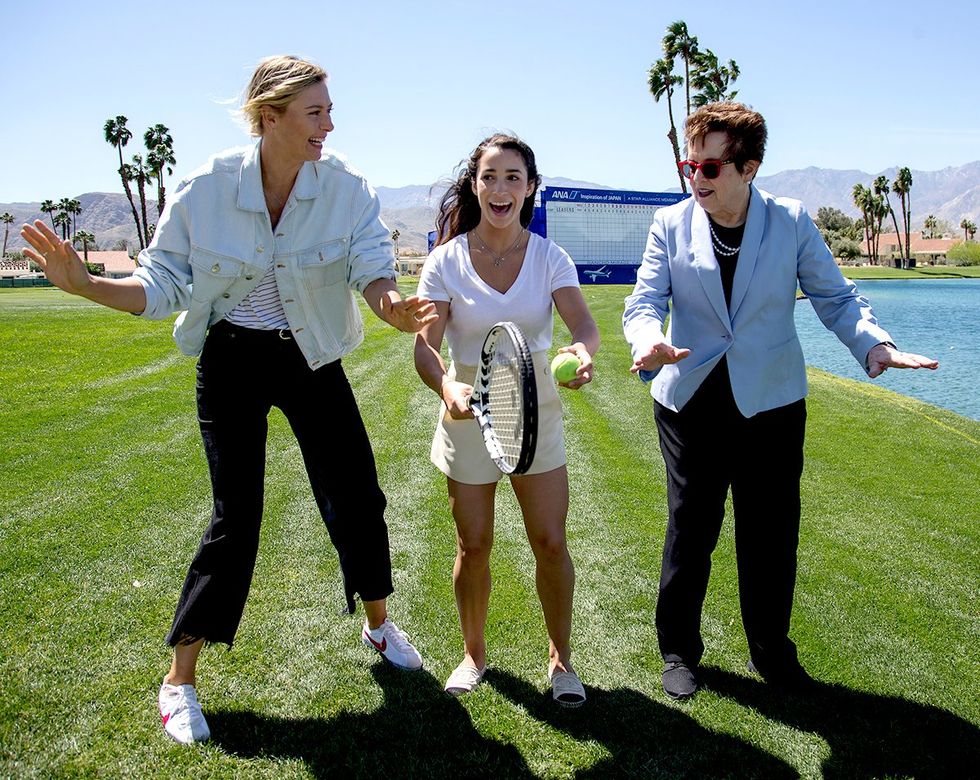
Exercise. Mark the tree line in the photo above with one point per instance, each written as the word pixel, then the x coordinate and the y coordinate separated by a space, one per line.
pixel 874 204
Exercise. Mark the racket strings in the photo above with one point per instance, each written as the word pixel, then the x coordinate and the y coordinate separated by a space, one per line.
pixel 505 398
pixel 507 405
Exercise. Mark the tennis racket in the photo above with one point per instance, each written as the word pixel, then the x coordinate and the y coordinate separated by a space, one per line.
pixel 505 399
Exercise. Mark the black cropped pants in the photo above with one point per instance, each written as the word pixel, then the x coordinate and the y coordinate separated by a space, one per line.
pixel 241 375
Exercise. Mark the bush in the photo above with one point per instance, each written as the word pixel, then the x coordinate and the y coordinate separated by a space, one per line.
pixel 846 249
pixel 964 253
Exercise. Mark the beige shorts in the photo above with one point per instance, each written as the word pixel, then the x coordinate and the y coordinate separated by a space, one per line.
pixel 457 447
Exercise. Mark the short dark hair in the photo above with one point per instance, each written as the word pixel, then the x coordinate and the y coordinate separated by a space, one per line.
pixel 745 128
pixel 459 211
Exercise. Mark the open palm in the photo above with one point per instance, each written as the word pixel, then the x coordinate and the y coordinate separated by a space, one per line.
pixel 58 259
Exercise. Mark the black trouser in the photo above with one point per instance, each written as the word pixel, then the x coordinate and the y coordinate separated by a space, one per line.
pixel 708 447
pixel 241 375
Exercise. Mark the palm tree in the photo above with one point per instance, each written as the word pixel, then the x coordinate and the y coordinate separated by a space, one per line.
pixel 903 188
pixel 138 171
pixel 74 208
pixel 118 135
pixel 862 199
pixel 86 238
pixel 159 155
pixel 64 210
pixel 48 207
pixel 712 80
pixel 6 218
pixel 395 235
pixel 930 225
pixel 678 42
pixel 62 220
pixel 883 187
pixel 969 229
pixel 662 82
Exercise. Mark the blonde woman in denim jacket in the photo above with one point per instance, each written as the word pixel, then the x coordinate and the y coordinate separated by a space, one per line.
pixel 260 250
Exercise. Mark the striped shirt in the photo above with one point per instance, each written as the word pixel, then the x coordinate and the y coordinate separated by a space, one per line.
pixel 262 308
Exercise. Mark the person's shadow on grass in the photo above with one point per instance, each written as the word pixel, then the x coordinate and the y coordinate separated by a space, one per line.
pixel 645 738
pixel 419 731
pixel 870 735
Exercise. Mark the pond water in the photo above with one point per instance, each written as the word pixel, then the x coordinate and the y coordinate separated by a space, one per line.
pixel 939 318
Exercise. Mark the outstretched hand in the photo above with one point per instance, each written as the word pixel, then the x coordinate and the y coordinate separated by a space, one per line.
pixel 883 356
pixel 58 259
pixel 409 315
pixel 657 356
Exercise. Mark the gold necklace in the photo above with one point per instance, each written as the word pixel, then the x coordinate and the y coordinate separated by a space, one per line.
pixel 498 259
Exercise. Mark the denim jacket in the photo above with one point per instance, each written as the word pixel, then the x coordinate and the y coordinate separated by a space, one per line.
pixel 215 241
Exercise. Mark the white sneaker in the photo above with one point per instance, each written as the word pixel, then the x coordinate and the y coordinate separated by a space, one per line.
pixel 464 679
pixel 389 640
pixel 181 714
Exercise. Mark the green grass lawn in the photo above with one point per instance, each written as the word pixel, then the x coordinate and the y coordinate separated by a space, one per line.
pixel 920 272
pixel 105 494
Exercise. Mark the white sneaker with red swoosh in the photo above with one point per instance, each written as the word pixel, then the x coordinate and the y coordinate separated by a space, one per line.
pixel 181 714
pixel 389 640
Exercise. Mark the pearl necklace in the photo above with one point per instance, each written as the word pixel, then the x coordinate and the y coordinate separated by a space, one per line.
pixel 720 246
pixel 498 259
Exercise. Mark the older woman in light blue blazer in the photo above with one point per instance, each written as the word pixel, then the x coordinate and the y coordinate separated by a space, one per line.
pixel 729 381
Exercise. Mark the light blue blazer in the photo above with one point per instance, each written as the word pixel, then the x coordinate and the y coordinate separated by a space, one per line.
pixel 781 250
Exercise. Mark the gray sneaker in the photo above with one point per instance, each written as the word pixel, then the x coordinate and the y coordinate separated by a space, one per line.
pixel 679 681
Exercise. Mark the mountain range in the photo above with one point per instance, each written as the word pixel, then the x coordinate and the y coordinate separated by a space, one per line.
pixel 951 194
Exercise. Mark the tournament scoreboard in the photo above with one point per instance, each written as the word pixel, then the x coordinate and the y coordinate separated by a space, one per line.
pixel 604 231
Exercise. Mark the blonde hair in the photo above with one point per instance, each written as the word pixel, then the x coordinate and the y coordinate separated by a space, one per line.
pixel 276 81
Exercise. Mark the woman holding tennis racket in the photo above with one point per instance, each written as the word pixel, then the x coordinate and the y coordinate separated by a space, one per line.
pixel 486 269
pixel 260 248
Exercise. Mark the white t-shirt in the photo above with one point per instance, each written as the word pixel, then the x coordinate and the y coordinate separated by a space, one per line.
pixel 474 306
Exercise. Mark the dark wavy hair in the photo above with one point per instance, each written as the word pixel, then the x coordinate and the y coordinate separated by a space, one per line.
pixel 459 211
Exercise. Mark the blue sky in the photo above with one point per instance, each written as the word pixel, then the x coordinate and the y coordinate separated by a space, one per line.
pixel 417 84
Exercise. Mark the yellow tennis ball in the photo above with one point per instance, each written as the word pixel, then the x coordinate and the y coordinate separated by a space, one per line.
pixel 564 366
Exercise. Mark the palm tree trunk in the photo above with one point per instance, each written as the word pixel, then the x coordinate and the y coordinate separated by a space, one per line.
pixel 161 195
pixel 687 86
pixel 672 135
pixel 867 237
pixel 905 226
pixel 908 229
pixel 901 256
pixel 141 184
pixel 878 240
pixel 129 196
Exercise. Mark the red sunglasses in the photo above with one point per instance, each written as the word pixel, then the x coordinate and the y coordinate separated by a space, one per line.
pixel 710 169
